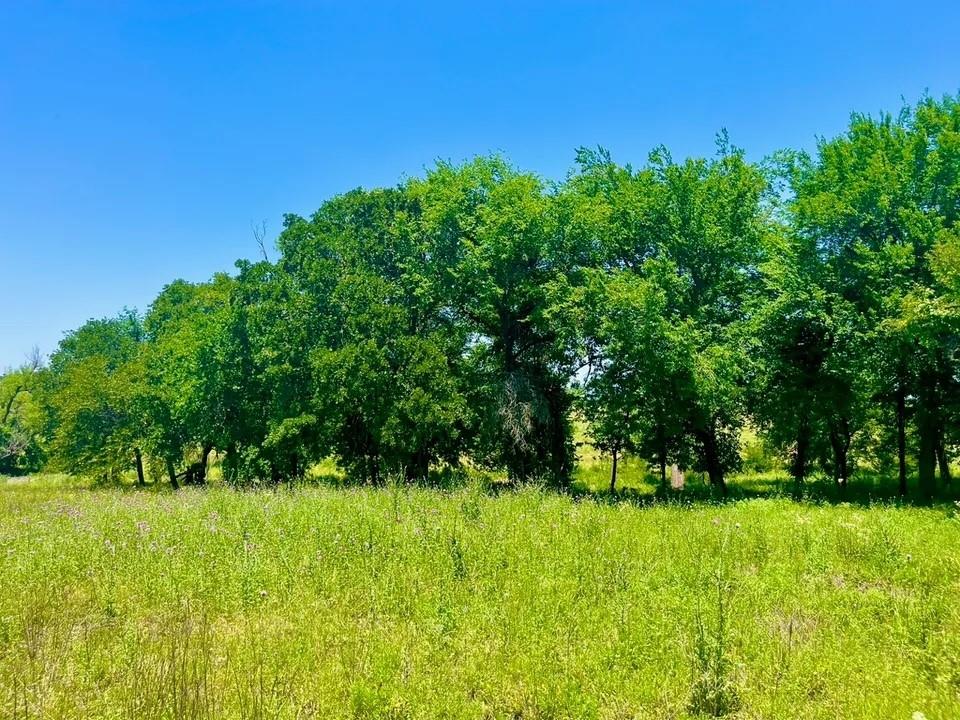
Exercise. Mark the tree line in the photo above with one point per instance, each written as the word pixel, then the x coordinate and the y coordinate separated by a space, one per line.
pixel 474 312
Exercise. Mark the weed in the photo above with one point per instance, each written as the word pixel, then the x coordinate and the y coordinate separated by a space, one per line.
pixel 342 602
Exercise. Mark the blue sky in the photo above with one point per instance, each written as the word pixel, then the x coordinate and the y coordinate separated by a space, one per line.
pixel 139 141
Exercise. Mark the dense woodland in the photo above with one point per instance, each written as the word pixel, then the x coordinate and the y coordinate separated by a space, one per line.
pixel 472 314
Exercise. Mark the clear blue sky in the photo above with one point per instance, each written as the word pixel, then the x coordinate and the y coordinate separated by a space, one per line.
pixel 140 140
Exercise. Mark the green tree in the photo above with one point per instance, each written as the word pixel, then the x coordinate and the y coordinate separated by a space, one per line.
pixel 874 202
pixel 95 399
pixel 640 383
pixel 187 391
pixel 496 259
pixel 807 394
pixel 696 230
pixel 385 361
pixel 21 417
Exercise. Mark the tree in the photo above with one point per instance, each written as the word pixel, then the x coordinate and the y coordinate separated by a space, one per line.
pixel 21 443
pixel 697 231
pixel 461 314
pixel 640 383
pixel 385 361
pixel 496 260
pixel 807 394
pixel 185 363
pixel 873 202
pixel 95 398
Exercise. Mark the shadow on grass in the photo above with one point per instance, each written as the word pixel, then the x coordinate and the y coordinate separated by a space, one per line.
pixel 636 486
pixel 864 489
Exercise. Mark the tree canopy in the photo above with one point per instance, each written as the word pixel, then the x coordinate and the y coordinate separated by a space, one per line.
pixel 472 314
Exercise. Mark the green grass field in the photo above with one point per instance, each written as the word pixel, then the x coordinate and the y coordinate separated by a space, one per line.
pixel 323 602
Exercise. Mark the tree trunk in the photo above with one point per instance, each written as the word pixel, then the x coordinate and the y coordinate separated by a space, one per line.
pixel 902 437
pixel 928 432
pixel 229 466
pixel 799 469
pixel 9 407
pixel 926 451
pixel 202 470
pixel 711 457
pixel 172 474
pixel 418 468
pixel 944 462
pixel 139 458
pixel 662 455
pixel 613 473
pixel 560 463
pixel 840 439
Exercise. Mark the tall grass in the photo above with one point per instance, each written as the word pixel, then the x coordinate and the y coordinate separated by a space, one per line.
pixel 416 603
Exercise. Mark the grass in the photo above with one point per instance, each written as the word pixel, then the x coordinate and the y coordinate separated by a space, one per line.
pixel 322 602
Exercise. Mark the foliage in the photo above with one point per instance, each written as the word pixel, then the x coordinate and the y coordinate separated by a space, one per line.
pixel 186 361
pixel 875 204
pixel 502 274
pixel 690 237
pixel 384 359
pixel 97 393
pixel 21 418
pixel 471 314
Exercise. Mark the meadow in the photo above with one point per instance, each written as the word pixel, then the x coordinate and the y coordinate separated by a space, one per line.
pixel 410 602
